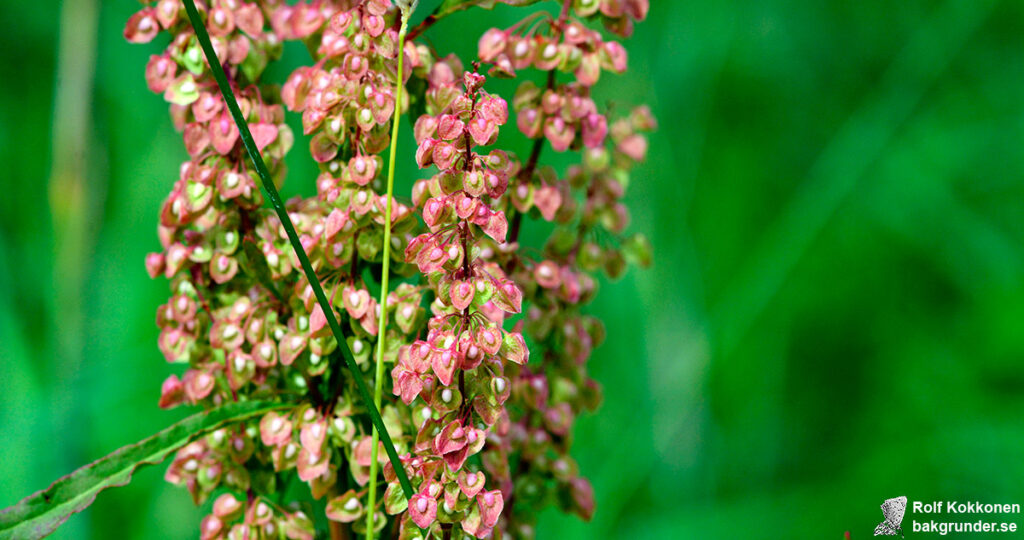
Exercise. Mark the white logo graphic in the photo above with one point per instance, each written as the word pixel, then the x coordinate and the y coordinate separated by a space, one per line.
pixel 892 510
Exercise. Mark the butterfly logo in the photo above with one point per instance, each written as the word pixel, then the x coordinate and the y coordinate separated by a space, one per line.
pixel 892 510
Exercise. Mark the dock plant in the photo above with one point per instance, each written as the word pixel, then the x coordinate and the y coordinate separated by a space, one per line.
pixel 371 363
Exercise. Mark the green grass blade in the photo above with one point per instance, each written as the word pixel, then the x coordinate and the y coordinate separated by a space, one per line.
pixel 293 238
pixel 42 512
pixel 378 376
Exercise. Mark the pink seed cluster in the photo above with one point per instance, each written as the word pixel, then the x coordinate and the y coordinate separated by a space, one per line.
pixel 458 369
pixel 483 431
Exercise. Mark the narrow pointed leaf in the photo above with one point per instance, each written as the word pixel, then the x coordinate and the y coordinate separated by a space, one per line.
pixel 42 512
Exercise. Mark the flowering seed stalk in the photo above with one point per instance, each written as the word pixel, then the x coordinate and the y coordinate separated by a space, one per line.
pixel 477 429
pixel 300 252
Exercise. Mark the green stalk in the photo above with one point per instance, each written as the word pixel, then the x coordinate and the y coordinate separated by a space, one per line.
pixel 293 238
pixel 382 324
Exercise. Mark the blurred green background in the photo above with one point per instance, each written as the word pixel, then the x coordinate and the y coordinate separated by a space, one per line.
pixel 835 315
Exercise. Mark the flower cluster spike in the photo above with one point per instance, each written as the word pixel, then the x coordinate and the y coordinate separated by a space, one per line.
pixel 484 432
pixel 457 370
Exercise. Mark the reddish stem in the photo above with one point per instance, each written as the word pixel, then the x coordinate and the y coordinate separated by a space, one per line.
pixel 564 15
pixel 421 27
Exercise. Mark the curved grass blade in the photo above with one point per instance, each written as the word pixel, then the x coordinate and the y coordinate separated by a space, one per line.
pixel 293 238
pixel 42 512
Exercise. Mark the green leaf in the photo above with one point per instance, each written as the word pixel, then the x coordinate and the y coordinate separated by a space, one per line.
pixel 41 513
pixel 450 6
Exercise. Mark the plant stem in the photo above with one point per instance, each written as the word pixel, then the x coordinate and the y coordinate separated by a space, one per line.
pixel 382 324
pixel 293 238
pixel 422 27
pixel 337 530
pixel 564 14
pixel 525 175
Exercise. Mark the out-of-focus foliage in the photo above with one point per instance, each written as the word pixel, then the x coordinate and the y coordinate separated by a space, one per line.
pixel 834 315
